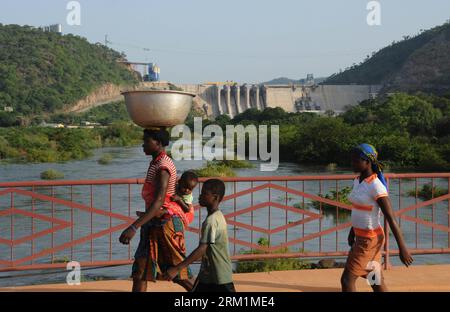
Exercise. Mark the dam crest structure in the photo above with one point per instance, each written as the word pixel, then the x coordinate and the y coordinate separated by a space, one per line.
pixel 232 98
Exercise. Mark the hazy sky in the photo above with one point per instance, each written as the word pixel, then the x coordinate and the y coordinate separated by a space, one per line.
pixel 245 41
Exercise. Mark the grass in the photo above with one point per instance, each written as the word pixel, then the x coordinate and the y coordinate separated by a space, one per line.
pixel 427 192
pixel 213 169
pixel 235 164
pixel 105 159
pixel 340 196
pixel 94 278
pixel 222 168
pixel 43 145
pixel 64 259
pixel 331 167
pixel 281 264
pixel 51 174
pixel 284 198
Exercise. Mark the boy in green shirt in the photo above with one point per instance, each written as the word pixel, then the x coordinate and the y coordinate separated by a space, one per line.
pixel 215 272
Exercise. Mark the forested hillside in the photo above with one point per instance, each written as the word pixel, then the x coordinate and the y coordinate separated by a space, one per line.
pixel 416 63
pixel 42 72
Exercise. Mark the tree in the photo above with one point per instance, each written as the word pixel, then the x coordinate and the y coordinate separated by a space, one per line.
pixel 40 72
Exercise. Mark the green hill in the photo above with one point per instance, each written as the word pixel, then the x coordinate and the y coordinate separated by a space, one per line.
pixel 42 72
pixel 286 81
pixel 417 63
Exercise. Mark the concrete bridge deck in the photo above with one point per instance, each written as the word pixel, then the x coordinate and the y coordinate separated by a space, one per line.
pixel 428 278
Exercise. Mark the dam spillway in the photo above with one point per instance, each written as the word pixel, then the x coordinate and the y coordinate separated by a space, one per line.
pixel 232 98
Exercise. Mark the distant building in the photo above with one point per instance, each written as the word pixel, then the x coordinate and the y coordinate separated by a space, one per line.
pixel 52 125
pixel 153 73
pixel 310 80
pixel 8 109
pixel 90 124
pixel 56 28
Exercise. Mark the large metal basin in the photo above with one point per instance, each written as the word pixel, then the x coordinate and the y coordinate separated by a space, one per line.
pixel 152 108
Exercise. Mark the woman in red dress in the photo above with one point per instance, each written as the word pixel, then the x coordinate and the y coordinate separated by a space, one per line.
pixel 162 242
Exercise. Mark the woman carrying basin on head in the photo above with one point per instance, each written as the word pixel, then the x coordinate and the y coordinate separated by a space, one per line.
pixel 162 242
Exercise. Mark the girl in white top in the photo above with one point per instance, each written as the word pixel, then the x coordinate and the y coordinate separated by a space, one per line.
pixel 369 197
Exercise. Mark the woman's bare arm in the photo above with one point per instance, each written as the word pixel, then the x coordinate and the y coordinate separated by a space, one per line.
pixel 195 255
pixel 161 189
pixel 386 208
pixel 181 203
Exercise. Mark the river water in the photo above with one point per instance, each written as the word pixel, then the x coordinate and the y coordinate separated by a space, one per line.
pixel 132 163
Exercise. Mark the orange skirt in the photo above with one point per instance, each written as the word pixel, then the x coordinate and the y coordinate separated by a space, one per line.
pixel 363 251
pixel 162 245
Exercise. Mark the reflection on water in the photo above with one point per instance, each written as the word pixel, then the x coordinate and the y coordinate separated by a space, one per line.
pixel 132 163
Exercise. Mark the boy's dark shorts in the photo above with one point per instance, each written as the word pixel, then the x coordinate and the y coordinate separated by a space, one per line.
pixel 200 287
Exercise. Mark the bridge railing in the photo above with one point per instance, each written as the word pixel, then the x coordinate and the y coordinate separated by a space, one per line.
pixel 44 224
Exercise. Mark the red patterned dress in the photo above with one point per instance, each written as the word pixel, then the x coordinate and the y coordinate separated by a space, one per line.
pixel 162 242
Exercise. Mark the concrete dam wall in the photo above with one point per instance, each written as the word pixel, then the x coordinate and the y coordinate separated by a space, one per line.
pixel 233 99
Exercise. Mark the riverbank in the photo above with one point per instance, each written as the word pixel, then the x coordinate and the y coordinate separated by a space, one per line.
pixel 409 131
pixel 51 145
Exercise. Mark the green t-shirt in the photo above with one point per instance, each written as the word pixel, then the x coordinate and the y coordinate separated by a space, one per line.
pixel 216 263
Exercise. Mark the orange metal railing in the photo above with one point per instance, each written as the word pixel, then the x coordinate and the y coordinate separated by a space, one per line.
pixel 44 224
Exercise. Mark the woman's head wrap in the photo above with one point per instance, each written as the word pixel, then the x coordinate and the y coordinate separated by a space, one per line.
pixel 369 153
